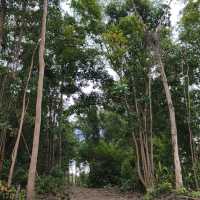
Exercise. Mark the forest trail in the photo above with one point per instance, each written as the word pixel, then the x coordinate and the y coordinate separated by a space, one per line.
pixel 80 193
pixel 100 194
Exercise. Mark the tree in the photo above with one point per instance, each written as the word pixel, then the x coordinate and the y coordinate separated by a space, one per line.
pixel 177 164
pixel 156 41
pixel 36 136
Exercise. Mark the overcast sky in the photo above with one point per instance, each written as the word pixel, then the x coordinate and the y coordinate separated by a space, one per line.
pixel 176 10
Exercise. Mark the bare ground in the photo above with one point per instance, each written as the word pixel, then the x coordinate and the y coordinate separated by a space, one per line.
pixel 100 194
pixel 77 193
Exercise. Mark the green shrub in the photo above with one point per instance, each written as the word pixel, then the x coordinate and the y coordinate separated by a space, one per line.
pixel 51 183
pixel 182 191
pixel 126 169
pixel 11 193
pixel 148 196
pixel 163 188
pixel 129 177
pixel 158 190
pixel 194 194
pixel 20 176
pixel 105 168
pixel 5 170
pixel 126 185
pixel 185 192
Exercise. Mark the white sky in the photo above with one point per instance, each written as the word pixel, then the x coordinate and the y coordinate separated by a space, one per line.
pixel 176 11
pixel 65 6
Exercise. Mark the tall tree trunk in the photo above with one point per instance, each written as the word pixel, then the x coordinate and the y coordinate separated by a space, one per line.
pixel 151 125
pixel 16 147
pixel 60 151
pixel 60 123
pixel 2 20
pixel 47 144
pixel 177 164
pixel 33 163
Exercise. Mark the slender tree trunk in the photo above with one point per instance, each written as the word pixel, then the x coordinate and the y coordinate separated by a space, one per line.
pixel 53 152
pixel 138 161
pixel 47 144
pixel 60 151
pixel 16 147
pixel 60 122
pixel 151 125
pixel 36 138
pixel 2 20
pixel 177 164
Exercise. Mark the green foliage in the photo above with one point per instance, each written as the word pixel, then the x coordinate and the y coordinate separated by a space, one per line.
pixel 182 191
pixel 163 188
pixel 52 183
pixel 81 49
pixel 188 193
pixel 190 23
pixel 120 89
pixel 132 26
pixel 158 190
pixel 116 10
pixel 148 196
pixel 4 172
pixel 11 193
pixel 105 169
pixel 90 13
pixel 129 179
pixel 20 176
pixel 89 9
pixel 162 173
pixel 194 194
pixel 117 44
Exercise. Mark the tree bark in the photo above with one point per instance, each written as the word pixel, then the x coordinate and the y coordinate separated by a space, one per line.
pixel 36 138
pixel 151 125
pixel 177 164
pixel 60 123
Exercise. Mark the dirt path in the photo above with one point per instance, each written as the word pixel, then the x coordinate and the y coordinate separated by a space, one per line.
pixel 76 193
pixel 100 194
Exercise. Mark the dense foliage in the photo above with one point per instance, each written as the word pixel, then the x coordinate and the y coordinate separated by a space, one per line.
pixel 104 104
